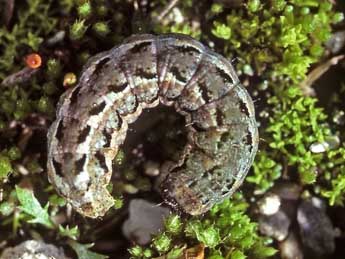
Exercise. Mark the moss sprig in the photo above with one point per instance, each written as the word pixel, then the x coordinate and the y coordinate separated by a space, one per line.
pixel 226 231
pixel 277 38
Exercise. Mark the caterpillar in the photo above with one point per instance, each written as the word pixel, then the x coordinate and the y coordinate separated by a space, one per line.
pixel 115 86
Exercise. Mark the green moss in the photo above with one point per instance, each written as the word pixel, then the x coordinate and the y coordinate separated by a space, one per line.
pixel 118 203
pixel 289 35
pixel 221 31
pixel 295 124
pixel 53 68
pixel 101 28
pixel 173 225
pixel 224 230
pixel 5 167
pixel 84 10
pixel 14 153
pixel 265 172
pixel 162 243
pixel 77 30
pixel 34 22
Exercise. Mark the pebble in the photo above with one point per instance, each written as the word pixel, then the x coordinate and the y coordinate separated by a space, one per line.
pixel 151 168
pixel 33 249
pixel 316 229
pixel 145 219
pixel 275 226
pixel 329 143
pixel 269 204
pixel 336 42
pixel 291 248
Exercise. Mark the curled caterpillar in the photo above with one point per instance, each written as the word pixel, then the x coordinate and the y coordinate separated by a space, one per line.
pixel 115 86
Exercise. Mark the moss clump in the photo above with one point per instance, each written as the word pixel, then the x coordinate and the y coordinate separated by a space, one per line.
pixel 5 167
pixel 276 38
pixel 226 231
pixel 293 127
pixel 77 30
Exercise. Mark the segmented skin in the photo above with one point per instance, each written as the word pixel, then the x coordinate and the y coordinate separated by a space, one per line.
pixel 115 86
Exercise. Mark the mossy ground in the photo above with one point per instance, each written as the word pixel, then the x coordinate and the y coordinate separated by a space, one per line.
pixel 273 44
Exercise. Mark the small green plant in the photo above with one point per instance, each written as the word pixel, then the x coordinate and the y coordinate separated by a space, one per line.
pixel 265 172
pixel 31 207
pixel 296 123
pixel 226 231
pixel 276 38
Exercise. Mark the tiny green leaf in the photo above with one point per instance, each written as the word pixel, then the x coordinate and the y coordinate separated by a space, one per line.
pixel 72 233
pixel 83 251
pixel 5 166
pixel 31 206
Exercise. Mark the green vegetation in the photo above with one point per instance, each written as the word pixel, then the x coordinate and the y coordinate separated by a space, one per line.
pixel 226 231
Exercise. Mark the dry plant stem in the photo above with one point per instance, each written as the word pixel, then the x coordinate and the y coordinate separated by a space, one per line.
pixel 167 9
pixel 316 73
pixel 8 12
pixel 19 77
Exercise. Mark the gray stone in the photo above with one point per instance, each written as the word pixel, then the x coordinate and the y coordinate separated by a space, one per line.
pixel 336 42
pixel 291 248
pixel 145 219
pixel 276 225
pixel 33 249
pixel 316 229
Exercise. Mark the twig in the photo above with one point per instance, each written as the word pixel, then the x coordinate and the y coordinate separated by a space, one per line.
pixel 19 77
pixel 166 10
pixel 8 11
pixel 316 73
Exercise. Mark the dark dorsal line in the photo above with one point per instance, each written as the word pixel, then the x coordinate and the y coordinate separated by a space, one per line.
pixel 147 75
pixel 75 93
pixel 226 77
pixel 188 48
pixel 58 167
pixel 101 64
pixel 79 164
pixel 107 136
pixel 244 108
pixel 97 109
pixel 117 88
pixel 101 159
pixel 59 130
pixel 139 47
pixel 83 134
pixel 178 75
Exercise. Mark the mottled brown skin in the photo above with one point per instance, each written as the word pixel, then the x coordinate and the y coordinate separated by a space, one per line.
pixel 116 85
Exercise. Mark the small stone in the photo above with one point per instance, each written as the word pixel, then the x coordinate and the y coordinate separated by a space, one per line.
pixel 329 143
pixel 56 38
pixel 269 204
pixel 336 42
pixel 291 248
pixel 145 219
pixel 33 249
pixel 151 168
pixel 339 117
pixel 276 225
pixel 319 147
pixel 316 229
